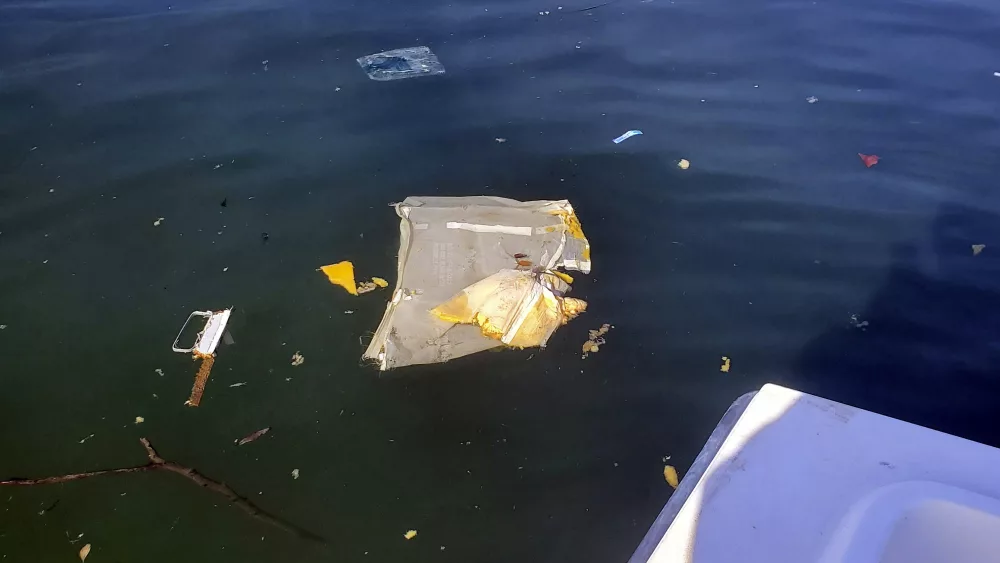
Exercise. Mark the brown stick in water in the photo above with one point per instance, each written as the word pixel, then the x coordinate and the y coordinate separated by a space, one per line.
pixel 157 462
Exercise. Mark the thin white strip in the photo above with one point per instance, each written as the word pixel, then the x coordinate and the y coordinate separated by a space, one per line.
pixel 505 229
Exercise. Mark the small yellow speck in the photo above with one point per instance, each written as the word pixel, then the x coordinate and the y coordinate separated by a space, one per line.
pixel 410 534
pixel 683 164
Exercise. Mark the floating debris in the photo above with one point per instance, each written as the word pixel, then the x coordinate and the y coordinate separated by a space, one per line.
pixel 410 534
pixel 84 552
pixel 251 437
pixel 683 164
pixel 500 140
pixel 595 340
pixel 87 438
pixel 997 74
pixel 512 308
pixel 49 508
pixel 858 323
pixel 410 62
pixel 3 327
pixel 204 348
pixel 159 372
pixel 869 159
pixel 380 282
pixel 240 384
pixel 298 359
pixel 670 474
pixel 225 200
pixel 295 474
pixel 725 365
pixel 626 135
pixel 157 222
pixel 812 99
pixel 342 274
pixel 139 420
pixel 264 237
pixel 977 248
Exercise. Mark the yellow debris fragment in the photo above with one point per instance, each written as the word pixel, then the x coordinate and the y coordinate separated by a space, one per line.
pixel 562 275
pixel 596 340
pixel 511 306
pixel 977 248
pixel 139 420
pixel 342 274
pixel 725 365
pixel 683 164
pixel 670 474
pixel 380 282
pixel 298 359
pixel 84 552
pixel 410 534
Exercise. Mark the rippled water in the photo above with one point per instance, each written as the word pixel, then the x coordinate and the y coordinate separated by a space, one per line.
pixel 771 249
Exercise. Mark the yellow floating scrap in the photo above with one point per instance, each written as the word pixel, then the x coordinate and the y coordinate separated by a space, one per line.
pixel 380 282
pixel 511 306
pixel 410 534
pixel 342 274
pixel 725 365
pixel 562 275
pixel 670 474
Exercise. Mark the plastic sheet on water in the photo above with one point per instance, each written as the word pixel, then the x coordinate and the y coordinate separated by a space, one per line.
pixel 401 63
pixel 476 273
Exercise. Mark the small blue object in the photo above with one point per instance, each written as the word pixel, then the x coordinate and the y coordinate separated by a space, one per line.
pixel 628 134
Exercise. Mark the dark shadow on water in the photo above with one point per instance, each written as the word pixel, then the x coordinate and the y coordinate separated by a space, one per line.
pixel 930 351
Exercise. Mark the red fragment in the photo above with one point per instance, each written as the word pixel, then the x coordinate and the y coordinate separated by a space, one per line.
pixel 869 159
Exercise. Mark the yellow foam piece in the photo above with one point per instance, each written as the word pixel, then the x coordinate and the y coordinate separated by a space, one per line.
pixel 342 274
pixel 380 282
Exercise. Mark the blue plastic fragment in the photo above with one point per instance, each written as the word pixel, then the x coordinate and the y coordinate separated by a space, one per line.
pixel 627 134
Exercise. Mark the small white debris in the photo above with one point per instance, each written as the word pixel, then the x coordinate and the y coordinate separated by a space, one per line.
pixel 348 312
pixel 226 269
pixel 812 99
pixel 997 74
pixel 158 221
pixel 337 89
pixel 297 359
pixel 240 384
pixel 159 372
pixel 51 190
pixel 139 420
pixel 500 140
pixel 84 440
pixel 33 149
pixel 295 474
pixel 3 327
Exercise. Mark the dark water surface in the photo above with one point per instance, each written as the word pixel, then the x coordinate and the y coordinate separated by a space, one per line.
pixel 114 113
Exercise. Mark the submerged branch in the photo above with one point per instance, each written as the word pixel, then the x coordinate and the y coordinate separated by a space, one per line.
pixel 156 462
